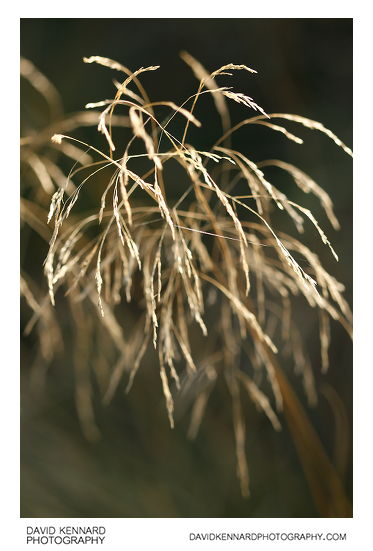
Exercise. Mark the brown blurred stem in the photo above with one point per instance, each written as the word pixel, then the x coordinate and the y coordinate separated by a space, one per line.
pixel 324 483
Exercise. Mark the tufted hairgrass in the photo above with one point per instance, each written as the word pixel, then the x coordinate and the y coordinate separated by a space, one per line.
pixel 194 257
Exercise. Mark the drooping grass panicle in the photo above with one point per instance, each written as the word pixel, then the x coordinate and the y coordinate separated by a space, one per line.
pixel 199 259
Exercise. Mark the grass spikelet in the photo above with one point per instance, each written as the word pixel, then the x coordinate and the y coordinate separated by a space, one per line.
pixel 231 67
pixel 150 298
pixel 245 100
pixel 314 125
pixel 57 138
pixel 55 204
pixel 105 61
pixel 123 180
pixel 102 127
pixel 139 131
pixel 163 206
pixel 308 185
pixel 324 239
pixel 281 129
pixel 98 278
pixel 167 395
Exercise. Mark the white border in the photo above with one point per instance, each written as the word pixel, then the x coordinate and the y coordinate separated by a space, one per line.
pixel 173 533
pixel 190 9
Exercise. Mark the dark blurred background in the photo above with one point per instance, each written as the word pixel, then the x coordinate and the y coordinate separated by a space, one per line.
pixel 139 467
